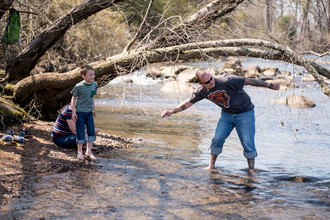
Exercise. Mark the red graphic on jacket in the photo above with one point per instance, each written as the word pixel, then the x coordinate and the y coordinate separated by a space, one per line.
pixel 220 97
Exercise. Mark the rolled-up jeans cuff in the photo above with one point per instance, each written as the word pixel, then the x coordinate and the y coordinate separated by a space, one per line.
pixel 215 150
pixel 81 141
pixel 91 138
pixel 250 155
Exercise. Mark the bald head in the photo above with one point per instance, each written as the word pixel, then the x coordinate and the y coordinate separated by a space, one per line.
pixel 205 78
pixel 201 73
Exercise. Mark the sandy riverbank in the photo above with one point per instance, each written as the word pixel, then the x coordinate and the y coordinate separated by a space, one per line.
pixel 21 165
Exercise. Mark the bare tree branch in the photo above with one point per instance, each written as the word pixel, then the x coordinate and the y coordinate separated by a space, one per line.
pixel 201 20
pixel 317 54
pixel 130 44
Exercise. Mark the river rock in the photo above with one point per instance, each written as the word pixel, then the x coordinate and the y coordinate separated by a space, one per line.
pixel 166 71
pixel 253 71
pixel 270 71
pixel 296 101
pixel 173 71
pixel 188 76
pixel 177 87
pixel 153 72
pixel 127 80
pixel 285 75
pixel 299 101
pixel 217 71
pixel 232 64
pixel 234 67
pixel 308 79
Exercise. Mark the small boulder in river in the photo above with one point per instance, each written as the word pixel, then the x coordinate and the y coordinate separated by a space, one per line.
pixel 270 71
pixel 234 67
pixel 177 87
pixel 308 79
pixel 253 71
pixel 166 71
pixel 153 72
pixel 297 101
pixel 173 71
pixel 188 75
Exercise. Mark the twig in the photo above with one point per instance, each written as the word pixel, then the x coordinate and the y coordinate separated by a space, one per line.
pixel 154 28
pixel 3 124
pixel 317 54
pixel 129 45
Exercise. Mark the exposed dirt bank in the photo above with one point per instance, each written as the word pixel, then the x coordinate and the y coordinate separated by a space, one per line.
pixel 20 165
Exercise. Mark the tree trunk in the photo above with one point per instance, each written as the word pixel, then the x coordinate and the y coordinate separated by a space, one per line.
pixel 305 21
pixel 50 91
pixel 269 15
pixel 281 8
pixel 20 67
pixel 328 17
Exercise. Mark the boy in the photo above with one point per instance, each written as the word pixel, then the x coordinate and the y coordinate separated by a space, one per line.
pixel 83 104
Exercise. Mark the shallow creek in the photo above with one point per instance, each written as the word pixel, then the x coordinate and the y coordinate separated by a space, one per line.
pixel 162 176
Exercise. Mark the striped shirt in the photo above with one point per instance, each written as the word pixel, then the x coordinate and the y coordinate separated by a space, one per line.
pixel 61 127
pixel 85 96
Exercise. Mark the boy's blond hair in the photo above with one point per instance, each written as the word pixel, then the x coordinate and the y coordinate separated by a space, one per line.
pixel 85 68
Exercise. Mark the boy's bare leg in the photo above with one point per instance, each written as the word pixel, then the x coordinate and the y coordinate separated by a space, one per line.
pixel 89 150
pixel 251 165
pixel 213 158
pixel 93 148
pixel 80 152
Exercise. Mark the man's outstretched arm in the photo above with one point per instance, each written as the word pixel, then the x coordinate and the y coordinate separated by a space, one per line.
pixel 260 83
pixel 182 106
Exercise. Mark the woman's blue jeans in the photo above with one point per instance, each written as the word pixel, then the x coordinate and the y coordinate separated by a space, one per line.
pixel 245 127
pixel 85 118
pixel 68 141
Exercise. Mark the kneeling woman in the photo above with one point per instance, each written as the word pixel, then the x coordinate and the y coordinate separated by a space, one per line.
pixel 64 130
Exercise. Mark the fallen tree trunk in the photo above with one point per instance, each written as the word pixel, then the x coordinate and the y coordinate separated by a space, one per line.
pixel 51 90
pixel 20 67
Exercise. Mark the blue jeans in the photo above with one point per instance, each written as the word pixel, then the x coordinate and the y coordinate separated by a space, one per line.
pixel 68 141
pixel 245 127
pixel 85 118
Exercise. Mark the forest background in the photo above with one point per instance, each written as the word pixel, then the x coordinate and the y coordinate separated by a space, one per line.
pixel 302 25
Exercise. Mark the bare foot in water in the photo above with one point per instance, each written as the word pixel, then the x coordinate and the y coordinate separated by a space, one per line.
pixel 90 155
pixel 209 168
pixel 80 156
pixel 251 171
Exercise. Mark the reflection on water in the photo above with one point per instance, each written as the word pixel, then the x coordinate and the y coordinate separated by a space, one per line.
pixel 163 177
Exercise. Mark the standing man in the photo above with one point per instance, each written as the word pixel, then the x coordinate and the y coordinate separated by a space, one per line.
pixel 227 92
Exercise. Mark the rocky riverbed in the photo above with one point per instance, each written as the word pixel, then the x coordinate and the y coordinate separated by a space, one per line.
pixel 21 165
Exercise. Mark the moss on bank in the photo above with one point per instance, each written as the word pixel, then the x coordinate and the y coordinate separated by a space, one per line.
pixel 11 114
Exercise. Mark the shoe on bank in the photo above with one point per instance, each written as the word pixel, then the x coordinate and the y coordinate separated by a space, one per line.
pixel 7 138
